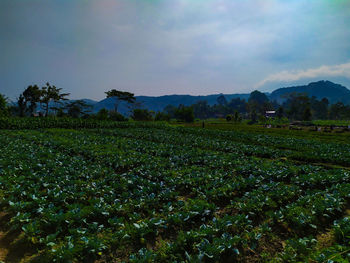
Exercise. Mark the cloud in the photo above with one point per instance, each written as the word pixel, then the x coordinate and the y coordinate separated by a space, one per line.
pixel 341 70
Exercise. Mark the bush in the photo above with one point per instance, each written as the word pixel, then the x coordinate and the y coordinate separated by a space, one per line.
pixel 116 116
pixel 142 115
pixel 184 114
pixel 228 118
pixel 102 115
pixel 162 116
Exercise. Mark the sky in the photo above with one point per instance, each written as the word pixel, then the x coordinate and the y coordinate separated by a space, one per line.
pixel 160 47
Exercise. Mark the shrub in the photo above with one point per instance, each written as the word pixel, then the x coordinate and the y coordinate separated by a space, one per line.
pixel 142 115
pixel 184 114
pixel 162 116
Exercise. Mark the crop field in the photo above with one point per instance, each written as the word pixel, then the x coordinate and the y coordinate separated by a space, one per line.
pixel 156 193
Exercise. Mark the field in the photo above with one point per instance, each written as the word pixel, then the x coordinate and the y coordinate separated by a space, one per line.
pixel 159 193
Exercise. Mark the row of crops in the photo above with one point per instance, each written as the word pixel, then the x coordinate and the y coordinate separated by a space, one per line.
pixel 164 194
pixel 17 123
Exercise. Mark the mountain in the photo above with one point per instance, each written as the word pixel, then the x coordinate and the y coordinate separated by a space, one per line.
pixel 320 89
pixel 159 103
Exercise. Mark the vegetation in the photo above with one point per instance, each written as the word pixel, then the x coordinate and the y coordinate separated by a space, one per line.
pixel 3 106
pixel 120 96
pixel 149 192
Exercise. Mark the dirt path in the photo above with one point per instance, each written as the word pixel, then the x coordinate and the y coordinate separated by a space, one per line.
pixel 14 248
pixel 3 241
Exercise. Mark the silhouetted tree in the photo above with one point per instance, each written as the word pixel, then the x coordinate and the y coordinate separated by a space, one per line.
pixel 78 108
pixel 296 104
pixel 319 109
pixel 21 105
pixel 307 114
pixel 221 100
pixel 170 110
pixel 116 116
pixel 201 109
pixel 259 102
pixel 51 93
pixel 184 113
pixel 162 116
pixel 253 116
pixel 339 111
pixel 280 112
pixel 102 114
pixel 3 105
pixel 238 104
pixel 120 96
pixel 32 95
pixel 142 115
pixel 236 116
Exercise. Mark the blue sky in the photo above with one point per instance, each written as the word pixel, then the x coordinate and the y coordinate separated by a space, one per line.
pixel 158 47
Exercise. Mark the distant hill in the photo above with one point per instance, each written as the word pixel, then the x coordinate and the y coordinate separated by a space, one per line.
pixel 159 103
pixel 320 89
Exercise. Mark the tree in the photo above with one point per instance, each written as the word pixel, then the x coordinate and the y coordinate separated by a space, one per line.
pixel 184 113
pixel 78 108
pixel 32 95
pixel 280 112
pixel 21 105
pixel 253 116
pixel 162 116
pixel 102 114
pixel 259 102
pixel 236 116
pixel 170 110
pixel 319 109
pixel 238 104
pixel 115 116
pixel 296 105
pixel 201 109
pixel 339 111
pixel 120 96
pixel 307 114
pixel 221 100
pixel 51 93
pixel 3 105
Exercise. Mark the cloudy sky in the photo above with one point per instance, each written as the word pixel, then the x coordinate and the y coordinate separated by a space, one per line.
pixel 157 47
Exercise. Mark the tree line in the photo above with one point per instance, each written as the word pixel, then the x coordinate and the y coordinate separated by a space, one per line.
pixel 295 106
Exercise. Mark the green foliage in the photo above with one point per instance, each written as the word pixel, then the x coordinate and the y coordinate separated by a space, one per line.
pixel 120 96
pixel 115 116
pixel 3 106
pixel 77 108
pixel 102 114
pixel 307 114
pixel 142 115
pixel 162 116
pixel 150 192
pixel 32 95
pixel 184 113
pixel 51 93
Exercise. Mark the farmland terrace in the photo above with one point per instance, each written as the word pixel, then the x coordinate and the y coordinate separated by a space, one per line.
pixel 157 193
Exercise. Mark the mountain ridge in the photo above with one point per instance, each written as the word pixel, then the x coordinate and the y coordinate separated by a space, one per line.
pixel 320 89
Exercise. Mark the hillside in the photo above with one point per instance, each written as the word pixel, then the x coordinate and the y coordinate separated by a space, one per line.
pixel 320 89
